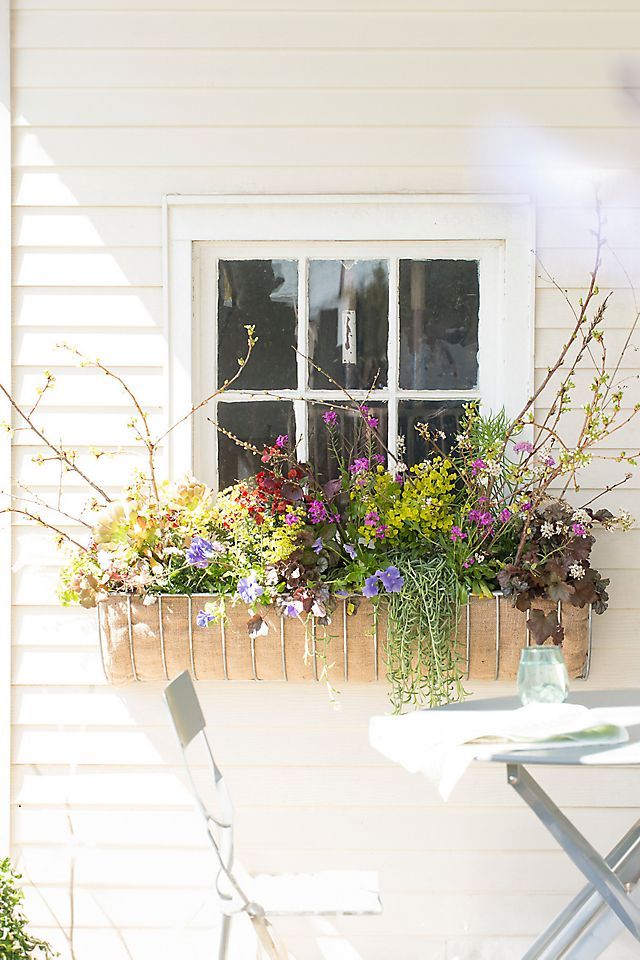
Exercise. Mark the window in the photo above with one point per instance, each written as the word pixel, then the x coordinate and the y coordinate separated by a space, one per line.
pixel 416 322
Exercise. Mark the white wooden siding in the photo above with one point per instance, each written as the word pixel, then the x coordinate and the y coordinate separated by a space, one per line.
pixel 116 104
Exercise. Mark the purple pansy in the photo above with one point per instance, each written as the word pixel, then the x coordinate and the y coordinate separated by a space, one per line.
pixel 249 589
pixel 292 608
pixel 350 550
pixel 317 511
pixel 201 552
pixel 204 619
pixel 317 545
pixel 371 587
pixel 330 418
pixel 391 579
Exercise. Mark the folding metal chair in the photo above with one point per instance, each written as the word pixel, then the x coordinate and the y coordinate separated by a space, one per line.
pixel 329 893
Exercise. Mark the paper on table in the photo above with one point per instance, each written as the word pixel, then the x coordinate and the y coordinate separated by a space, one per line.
pixel 442 743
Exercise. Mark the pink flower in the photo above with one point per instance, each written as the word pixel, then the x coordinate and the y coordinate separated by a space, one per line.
pixel 377 458
pixel 505 515
pixel 457 534
pixel 330 418
pixel 359 465
pixel 468 563
pixel 282 440
pixel 579 530
pixel 523 446
pixel 527 505
pixel 317 511
pixel 477 466
pixel 371 518
pixel 382 531
pixel 482 517
pixel 290 519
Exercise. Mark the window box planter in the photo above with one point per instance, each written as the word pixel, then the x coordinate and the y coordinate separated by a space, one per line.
pixel 156 641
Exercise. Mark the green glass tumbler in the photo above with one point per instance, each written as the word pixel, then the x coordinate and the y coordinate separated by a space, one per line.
pixel 542 675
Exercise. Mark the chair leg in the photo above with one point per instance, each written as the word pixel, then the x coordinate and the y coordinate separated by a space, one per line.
pixel 223 940
pixel 267 939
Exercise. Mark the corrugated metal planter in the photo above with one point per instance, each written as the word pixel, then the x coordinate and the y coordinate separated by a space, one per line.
pixel 156 641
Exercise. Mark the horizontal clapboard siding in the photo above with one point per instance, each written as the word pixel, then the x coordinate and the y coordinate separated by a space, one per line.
pixel 118 103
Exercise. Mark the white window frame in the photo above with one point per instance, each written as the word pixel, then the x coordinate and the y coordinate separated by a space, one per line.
pixel 498 231
pixel 5 438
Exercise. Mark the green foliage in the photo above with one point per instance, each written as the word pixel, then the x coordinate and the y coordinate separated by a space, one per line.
pixel 16 943
pixel 422 664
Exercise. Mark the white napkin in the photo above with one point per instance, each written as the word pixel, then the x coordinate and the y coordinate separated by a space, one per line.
pixel 442 743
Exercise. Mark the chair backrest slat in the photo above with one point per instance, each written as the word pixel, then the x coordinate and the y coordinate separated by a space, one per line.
pixel 185 709
pixel 189 722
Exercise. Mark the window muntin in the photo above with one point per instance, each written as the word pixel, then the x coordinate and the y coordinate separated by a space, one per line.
pixel 458 281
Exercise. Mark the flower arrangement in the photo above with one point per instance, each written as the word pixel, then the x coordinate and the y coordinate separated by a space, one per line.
pixel 492 508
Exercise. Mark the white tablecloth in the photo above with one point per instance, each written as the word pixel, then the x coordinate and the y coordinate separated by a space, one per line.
pixel 442 743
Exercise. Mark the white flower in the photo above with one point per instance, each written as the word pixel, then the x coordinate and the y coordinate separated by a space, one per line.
pixel 581 516
pixel 547 530
pixel 576 571
pixel 624 521
pixel 559 527
pixel 104 558
pixel 494 468
pixel 479 557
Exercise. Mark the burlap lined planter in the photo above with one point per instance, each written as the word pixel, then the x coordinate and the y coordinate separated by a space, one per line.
pixel 158 640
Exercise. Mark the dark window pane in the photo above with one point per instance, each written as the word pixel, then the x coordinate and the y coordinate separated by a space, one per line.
pixel 441 415
pixel 349 322
pixel 439 302
pixel 350 435
pixel 263 293
pixel 259 423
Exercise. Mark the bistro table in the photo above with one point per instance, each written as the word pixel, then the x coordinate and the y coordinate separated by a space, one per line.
pixel 592 920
